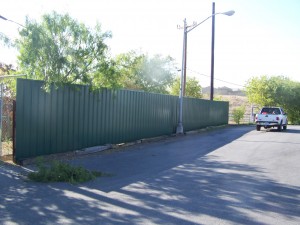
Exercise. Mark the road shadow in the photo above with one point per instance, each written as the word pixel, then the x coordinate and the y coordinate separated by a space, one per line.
pixel 205 190
pixel 292 129
pixel 171 182
pixel 148 159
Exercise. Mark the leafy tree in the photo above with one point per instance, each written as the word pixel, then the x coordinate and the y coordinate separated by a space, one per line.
pixel 261 90
pixel 142 72
pixel 238 114
pixel 6 68
pixel 289 96
pixel 6 41
pixel 129 66
pixel 61 50
pixel 9 84
pixel 275 91
pixel 156 74
pixel 193 88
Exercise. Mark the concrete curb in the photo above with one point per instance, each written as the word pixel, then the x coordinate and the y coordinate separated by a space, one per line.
pixel 106 148
pixel 94 149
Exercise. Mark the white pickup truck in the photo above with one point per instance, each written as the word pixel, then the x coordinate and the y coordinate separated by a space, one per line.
pixel 271 117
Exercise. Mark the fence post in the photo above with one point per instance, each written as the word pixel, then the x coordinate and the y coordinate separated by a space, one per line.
pixel 14 130
pixel 1 104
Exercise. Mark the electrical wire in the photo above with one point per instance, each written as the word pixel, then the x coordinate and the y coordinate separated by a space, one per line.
pixel 201 74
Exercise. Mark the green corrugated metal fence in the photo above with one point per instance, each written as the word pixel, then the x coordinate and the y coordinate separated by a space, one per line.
pixel 199 113
pixel 72 117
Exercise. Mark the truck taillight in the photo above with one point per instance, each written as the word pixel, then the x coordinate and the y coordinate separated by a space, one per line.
pixel 277 118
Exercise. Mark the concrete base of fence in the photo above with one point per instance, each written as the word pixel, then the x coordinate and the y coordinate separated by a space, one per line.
pixel 97 149
pixel 205 129
pixel 92 150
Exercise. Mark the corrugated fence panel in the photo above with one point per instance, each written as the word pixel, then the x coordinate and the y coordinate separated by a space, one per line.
pixel 72 117
pixel 200 113
pixel 219 112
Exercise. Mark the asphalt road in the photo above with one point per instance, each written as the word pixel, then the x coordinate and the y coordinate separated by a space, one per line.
pixel 233 175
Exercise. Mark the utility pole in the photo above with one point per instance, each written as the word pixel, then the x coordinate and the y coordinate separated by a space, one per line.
pixel 185 54
pixel 179 129
pixel 212 54
pixel 187 29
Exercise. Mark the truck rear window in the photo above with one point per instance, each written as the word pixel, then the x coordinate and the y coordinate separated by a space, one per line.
pixel 274 111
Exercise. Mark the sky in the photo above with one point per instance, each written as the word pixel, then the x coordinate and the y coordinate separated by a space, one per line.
pixel 261 38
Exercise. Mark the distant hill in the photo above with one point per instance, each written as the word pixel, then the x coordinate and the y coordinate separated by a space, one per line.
pixel 223 91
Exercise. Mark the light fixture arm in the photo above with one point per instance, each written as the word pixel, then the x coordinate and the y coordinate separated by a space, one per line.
pixel 3 18
pixel 228 13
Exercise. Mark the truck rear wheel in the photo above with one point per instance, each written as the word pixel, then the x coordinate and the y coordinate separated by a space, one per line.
pixel 279 128
pixel 257 127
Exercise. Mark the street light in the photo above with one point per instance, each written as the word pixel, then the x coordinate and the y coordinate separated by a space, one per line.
pixel 3 18
pixel 186 30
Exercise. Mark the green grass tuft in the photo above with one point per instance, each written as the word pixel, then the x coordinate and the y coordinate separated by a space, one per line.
pixel 62 172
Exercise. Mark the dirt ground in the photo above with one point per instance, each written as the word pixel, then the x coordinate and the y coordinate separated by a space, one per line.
pixel 7 151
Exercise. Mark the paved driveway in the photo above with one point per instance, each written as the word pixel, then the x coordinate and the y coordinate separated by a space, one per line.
pixel 233 175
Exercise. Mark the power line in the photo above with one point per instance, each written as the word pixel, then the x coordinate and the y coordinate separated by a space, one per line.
pixel 215 78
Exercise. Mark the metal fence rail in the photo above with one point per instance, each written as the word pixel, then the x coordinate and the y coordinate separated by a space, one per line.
pixel 72 117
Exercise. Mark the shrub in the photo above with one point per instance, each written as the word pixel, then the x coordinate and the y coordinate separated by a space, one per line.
pixel 238 114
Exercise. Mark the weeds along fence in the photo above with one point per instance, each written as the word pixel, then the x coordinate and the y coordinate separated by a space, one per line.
pixel 73 117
